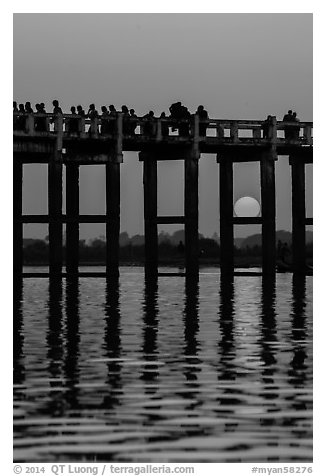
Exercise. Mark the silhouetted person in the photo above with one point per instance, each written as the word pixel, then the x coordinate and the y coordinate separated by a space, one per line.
pixel 28 108
pixel 57 111
pixel 296 128
pixel 72 124
pixel 125 120
pixel 133 122
pixel 203 116
pixel 181 114
pixel 288 130
pixel 80 111
pixel 21 120
pixel 180 247
pixel 184 126
pixel 16 119
pixel 40 122
pixel 92 114
pixel 104 120
pixel 175 113
pixel 164 126
pixel 279 249
pixel 113 118
pixel 265 127
pixel 56 107
pixel 149 126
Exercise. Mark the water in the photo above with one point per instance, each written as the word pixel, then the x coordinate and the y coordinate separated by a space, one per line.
pixel 218 371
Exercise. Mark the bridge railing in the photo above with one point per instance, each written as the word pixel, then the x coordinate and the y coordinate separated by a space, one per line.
pixel 210 130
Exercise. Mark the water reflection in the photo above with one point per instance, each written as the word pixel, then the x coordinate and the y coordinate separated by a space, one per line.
pixel 72 336
pixel 55 348
pixel 157 370
pixel 268 338
pixel 18 331
pixel 112 343
pixel 297 372
pixel 191 328
pixel 150 371
pixel 226 320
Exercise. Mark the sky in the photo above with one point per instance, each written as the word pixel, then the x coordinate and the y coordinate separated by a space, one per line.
pixel 240 66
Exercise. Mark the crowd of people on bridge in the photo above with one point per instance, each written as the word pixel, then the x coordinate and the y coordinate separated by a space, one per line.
pixel 179 117
pixel 179 120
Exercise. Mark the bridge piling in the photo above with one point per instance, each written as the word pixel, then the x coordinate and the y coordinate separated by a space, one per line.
pixel 55 213
pixel 17 216
pixel 112 217
pixel 72 210
pixel 268 211
pixel 298 213
pixel 191 215
pixel 226 215
pixel 150 215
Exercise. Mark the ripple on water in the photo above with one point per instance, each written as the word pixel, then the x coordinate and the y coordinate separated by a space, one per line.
pixel 164 372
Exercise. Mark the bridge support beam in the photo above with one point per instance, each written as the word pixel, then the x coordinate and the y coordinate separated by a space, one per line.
pixel 226 215
pixel 113 217
pixel 72 210
pixel 55 213
pixel 191 215
pixel 268 211
pixel 298 213
pixel 17 216
pixel 150 214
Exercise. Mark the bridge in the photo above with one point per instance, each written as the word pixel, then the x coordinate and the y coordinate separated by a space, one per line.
pixel 158 139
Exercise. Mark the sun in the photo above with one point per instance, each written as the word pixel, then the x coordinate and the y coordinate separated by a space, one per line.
pixel 247 207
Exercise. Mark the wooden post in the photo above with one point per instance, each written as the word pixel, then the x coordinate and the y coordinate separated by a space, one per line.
pixel 226 215
pixel 267 184
pixel 17 215
pixel 150 214
pixel 113 218
pixel 191 215
pixel 72 229
pixel 298 213
pixel 55 213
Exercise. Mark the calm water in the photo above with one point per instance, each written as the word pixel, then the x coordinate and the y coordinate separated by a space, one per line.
pixel 170 371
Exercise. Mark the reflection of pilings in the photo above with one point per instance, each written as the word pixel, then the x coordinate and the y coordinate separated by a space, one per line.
pixel 226 315
pixel 72 341
pixel 191 327
pixel 72 229
pixel 18 335
pixel 299 332
pixel 17 212
pixel 112 342
pixel 268 328
pixel 150 330
pixel 54 340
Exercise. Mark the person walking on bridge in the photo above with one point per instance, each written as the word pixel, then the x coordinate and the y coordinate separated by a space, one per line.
pixel 133 122
pixel 203 117
pixel 56 108
pixel 287 129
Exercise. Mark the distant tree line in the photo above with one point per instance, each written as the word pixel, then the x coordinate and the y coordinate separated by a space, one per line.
pixel 132 250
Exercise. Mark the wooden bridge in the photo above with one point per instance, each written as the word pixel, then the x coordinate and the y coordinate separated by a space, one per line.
pixel 230 140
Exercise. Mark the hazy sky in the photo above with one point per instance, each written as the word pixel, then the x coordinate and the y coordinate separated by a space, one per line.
pixel 240 66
